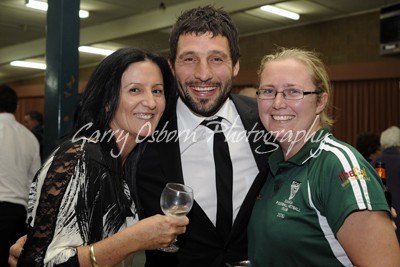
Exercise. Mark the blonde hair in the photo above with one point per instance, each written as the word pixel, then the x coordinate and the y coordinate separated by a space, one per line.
pixel 317 70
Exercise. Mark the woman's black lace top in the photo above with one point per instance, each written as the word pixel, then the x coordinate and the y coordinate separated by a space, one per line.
pixel 73 202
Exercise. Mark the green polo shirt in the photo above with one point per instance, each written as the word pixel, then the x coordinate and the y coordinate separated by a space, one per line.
pixel 306 199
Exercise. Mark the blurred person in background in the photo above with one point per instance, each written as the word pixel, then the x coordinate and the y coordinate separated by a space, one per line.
pixel 368 145
pixel 33 120
pixel 19 161
pixel 390 145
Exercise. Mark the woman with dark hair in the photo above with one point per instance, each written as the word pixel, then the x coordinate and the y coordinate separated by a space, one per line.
pixel 81 211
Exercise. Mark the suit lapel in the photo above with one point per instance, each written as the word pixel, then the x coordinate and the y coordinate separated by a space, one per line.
pixel 249 115
pixel 170 152
pixel 170 158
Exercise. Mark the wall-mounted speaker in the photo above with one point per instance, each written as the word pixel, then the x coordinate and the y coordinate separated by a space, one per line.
pixel 390 30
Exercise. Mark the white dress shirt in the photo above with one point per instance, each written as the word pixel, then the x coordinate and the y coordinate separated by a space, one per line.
pixel 19 160
pixel 196 147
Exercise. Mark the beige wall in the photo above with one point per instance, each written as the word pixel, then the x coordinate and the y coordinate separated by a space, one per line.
pixel 349 46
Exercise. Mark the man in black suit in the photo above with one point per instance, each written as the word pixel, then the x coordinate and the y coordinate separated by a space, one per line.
pixel 204 55
pixel 205 59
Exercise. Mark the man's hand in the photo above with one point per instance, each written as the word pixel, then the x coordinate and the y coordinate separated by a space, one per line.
pixel 15 251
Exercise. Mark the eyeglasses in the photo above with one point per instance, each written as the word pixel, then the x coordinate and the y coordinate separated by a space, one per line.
pixel 288 94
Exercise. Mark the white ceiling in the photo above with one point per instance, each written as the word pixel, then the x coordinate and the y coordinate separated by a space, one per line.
pixel 142 23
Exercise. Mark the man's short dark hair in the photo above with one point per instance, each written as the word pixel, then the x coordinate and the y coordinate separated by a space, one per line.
pixel 8 99
pixel 367 143
pixel 205 19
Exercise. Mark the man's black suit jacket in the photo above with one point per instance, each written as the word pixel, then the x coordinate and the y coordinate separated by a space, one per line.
pixel 201 245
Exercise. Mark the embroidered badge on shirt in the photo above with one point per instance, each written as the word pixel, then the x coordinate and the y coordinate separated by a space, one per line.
pixel 294 188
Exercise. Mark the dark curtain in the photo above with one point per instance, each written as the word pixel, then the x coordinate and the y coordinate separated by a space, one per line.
pixel 365 106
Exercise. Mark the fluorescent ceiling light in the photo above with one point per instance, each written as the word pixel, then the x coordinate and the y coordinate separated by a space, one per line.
pixel 83 14
pixel 37 5
pixel 28 64
pixel 42 66
pixel 95 50
pixel 280 12
pixel 43 6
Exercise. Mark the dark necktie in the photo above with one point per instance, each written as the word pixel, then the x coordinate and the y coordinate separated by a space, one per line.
pixel 223 177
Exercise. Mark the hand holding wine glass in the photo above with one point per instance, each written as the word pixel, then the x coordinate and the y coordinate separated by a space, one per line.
pixel 176 200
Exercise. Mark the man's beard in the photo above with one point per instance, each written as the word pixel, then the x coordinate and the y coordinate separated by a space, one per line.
pixel 200 107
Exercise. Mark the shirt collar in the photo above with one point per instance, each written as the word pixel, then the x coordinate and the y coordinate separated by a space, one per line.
pixel 7 116
pixel 308 151
pixel 189 120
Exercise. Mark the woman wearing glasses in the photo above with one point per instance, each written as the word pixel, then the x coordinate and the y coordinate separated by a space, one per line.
pixel 322 203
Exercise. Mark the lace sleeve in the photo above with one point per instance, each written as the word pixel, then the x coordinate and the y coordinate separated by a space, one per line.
pixel 52 195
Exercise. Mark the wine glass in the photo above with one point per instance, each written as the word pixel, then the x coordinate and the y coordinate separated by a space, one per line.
pixel 176 200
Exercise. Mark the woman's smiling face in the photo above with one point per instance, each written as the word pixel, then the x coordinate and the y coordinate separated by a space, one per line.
pixel 141 101
pixel 282 117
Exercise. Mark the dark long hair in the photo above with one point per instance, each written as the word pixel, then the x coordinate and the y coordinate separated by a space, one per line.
pixel 103 88
pixel 99 101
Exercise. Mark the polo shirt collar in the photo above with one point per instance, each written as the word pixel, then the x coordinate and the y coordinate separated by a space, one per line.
pixel 310 148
